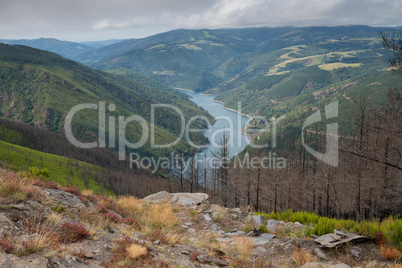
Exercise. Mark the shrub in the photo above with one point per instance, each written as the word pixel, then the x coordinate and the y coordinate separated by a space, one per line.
pixel 390 253
pixel 72 190
pixel 247 229
pixel 130 205
pixel 244 246
pixel 302 256
pixel 135 251
pixel 43 173
pixel 59 208
pixel 46 184
pixel 161 215
pixel 72 232
pixel 111 216
pixel 21 189
pixel 132 222
pixel 6 247
pixel 263 228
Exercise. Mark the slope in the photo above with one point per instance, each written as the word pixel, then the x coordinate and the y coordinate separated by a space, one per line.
pixel 40 88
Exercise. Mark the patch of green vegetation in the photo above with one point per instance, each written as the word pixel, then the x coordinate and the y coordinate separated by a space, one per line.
pixel 59 169
pixel 391 228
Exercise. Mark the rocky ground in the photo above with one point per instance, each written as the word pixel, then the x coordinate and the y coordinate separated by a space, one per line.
pixel 45 225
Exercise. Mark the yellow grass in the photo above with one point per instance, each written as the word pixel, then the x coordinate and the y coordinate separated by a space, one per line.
pixel 135 251
pixel 161 215
pixel 301 256
pixel 244 246
pixel 130 205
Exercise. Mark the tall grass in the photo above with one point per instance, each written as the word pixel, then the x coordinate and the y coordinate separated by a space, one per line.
pixel 391 228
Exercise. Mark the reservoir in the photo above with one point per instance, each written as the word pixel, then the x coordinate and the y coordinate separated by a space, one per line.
pixel 227 121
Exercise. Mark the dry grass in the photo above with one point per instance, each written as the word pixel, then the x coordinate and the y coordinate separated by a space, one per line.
pixel 244 246
pixel 20 188
pixel 54 218
pixel 390 253
pixel 135 251
pixel 395 265
pixel 130 205
pixel 301 256
pixel 161 216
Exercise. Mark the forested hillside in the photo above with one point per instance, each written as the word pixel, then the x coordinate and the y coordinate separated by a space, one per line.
pixel 40 88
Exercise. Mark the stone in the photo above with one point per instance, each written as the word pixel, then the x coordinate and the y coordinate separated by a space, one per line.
pixel 235 233
pixel 89 255
pixel 337 232
pixel 313 265
pixel 207 217
pixel 258 220
pixel 184 199
pixel 224 240
pixel 271 225
pixel 320 254
pixel 356 251
pixel 67 200
pixel 263 239
pixel 6 226
pixel 191 230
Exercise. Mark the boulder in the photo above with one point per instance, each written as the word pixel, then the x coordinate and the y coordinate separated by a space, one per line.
pixel 184 199
pixel 271 225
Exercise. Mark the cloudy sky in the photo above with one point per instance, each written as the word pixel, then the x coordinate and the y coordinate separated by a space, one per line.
pixel 83 20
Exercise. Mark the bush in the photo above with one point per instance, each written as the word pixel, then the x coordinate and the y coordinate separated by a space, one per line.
pixel 263 228
pixel 6 247
pixel 390 253
pixel 43 173
pixel 72 232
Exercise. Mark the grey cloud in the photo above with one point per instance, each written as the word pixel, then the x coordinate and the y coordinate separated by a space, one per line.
pixel 103 19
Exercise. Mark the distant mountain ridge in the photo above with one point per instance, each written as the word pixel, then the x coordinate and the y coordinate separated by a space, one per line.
pixel 64 48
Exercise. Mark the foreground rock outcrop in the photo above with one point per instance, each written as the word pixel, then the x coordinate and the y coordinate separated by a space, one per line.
pixel 162 230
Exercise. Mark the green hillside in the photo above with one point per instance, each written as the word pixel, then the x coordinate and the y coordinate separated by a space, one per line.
pixel 39 88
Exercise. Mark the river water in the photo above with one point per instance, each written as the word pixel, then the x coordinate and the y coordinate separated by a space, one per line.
pixel 227 121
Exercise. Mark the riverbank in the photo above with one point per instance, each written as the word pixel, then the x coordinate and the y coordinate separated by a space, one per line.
pixel 233 110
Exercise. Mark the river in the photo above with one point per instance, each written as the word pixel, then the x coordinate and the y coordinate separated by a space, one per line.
pixel 227 121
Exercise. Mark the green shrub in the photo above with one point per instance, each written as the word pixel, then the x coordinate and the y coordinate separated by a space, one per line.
pixel 43 173
pixel 263 228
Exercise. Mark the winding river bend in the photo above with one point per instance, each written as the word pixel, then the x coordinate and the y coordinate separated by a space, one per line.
pixel 227 121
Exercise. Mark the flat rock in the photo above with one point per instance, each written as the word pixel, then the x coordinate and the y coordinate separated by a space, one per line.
pixel 263 239
pixel 236 233
pixel 333 240
pixel 184 199
pixel 66 199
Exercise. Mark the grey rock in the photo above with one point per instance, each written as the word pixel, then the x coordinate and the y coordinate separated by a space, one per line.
pixel 207 217
pixel 356 251
pixel 227 239
pixel 263 239
pixel 313 265
pixel 333 240
pixel 271 225
pixel 191 230
pixel 258 220
pixel 236 233
pixel 320 254
pixel 68 200
pixel 342 234
pixel 185 199
pixel 6 226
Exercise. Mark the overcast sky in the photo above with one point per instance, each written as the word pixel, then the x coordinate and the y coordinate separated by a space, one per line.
pixel 83 20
